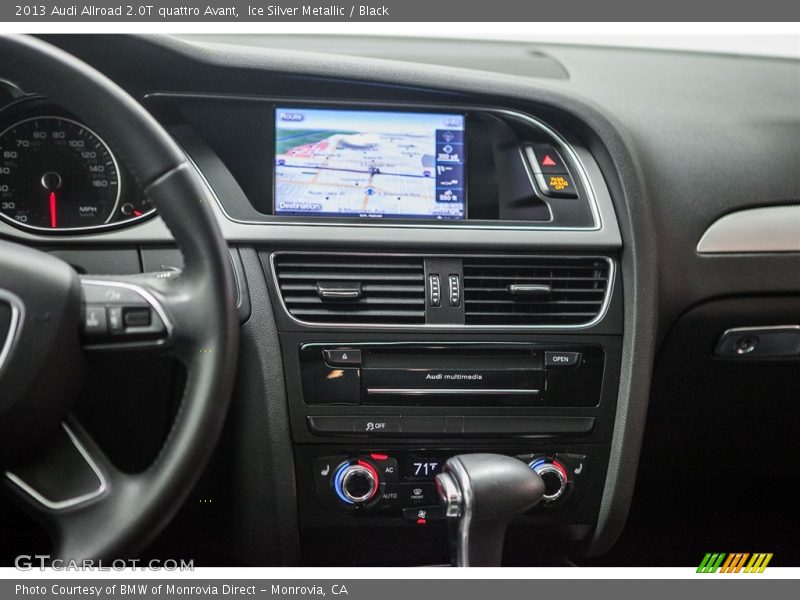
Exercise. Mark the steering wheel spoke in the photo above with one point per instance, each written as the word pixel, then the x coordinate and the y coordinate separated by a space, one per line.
pixel 67 483
pixel 92 509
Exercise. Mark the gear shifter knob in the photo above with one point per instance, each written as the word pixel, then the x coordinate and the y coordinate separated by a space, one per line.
pixel 482 493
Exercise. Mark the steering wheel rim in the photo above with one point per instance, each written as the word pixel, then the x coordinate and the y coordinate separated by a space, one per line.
pixel 128 510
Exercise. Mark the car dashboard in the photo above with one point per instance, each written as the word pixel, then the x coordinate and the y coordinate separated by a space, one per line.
pixel 488 253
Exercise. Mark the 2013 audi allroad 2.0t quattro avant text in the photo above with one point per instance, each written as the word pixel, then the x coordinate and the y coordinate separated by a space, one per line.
pixel 283 300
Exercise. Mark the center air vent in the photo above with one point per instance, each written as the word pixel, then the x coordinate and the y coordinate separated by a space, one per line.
pixel 352 288
pixel 557 291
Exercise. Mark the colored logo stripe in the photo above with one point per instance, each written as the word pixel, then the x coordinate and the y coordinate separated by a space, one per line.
pixel 711 562
pixel 758 563
pixel 733 563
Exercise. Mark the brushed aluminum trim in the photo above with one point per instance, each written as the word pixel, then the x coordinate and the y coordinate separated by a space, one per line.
pixel 14 326
pixel 754 231
pixel 70 502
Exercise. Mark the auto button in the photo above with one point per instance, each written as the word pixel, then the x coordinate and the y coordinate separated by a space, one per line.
pixel 390 496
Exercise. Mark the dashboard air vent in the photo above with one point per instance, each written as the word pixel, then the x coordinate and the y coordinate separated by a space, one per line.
pixel 352 288
pixel 540 290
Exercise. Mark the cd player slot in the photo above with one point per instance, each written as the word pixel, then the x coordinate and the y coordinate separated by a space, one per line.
pixel 431 375
pixel 467 386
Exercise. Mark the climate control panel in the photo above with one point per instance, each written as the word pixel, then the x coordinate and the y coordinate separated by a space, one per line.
pixel 399 482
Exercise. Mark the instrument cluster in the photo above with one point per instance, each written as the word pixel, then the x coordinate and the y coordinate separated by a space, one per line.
pixel 57 175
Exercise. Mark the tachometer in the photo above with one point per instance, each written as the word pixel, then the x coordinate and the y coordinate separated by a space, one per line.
pixel 56 173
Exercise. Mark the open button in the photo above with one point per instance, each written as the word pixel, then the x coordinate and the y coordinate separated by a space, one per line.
pixel 561 359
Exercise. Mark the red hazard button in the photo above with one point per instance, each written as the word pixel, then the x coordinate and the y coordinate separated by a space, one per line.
pixel 548 159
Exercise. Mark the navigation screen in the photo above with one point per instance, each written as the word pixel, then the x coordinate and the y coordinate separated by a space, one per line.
pixel 365 163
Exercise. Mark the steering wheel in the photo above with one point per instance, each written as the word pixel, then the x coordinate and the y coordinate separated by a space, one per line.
pixel 49 315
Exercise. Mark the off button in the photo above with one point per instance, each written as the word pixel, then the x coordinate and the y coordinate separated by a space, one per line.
pixel 556 184
pixel 561 359
pixel 377 425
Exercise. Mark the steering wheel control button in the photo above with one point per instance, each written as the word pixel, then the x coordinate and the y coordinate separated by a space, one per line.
pixel 328 425
pixel 561 359
pixel 100 293
pixel 114 314
pixel 136 317
pixel 377 425
pixel 95 324
pixel 342 358
pixel 130 314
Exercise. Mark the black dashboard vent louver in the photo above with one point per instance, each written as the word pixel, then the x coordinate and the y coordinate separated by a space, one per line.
pixel 557 291
pixel 352 288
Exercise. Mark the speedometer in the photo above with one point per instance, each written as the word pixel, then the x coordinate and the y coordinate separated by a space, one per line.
pixel 56 173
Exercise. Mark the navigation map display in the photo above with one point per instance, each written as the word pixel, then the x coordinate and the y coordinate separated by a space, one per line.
pixel 366 163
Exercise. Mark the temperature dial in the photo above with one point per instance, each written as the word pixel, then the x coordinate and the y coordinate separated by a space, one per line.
pixel 554 476
pixel 356 483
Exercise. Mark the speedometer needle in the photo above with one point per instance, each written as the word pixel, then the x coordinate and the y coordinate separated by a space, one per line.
pixel 53 220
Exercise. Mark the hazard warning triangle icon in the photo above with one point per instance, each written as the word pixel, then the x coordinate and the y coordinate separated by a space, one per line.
pixel 547 161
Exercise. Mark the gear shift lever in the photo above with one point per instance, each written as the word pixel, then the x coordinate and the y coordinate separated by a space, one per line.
pixel 482 493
